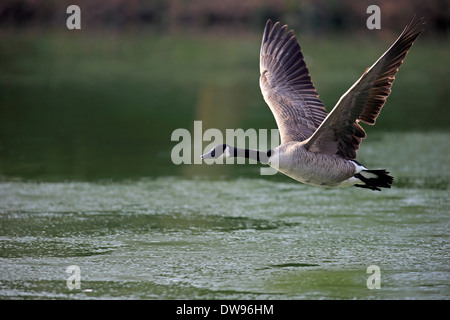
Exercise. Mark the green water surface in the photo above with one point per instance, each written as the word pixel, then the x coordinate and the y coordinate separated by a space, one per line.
pixel 86 176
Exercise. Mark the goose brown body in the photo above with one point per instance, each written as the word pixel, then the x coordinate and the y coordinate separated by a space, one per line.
pixel 318 169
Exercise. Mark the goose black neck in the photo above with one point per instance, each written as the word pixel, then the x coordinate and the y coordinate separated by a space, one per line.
pixel 260 156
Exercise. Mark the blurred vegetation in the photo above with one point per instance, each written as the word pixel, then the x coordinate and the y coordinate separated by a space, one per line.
pixel 106 106
pixel 316 16
pixel 103 101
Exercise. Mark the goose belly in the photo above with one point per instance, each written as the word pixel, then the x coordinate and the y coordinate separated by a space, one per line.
pixel 319 170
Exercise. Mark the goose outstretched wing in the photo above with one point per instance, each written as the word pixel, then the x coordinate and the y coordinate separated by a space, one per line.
pixel 340 134
pixel 286 85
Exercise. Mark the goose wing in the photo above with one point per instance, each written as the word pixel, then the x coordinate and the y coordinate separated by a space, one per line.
pixel 340 132
pixel 286 85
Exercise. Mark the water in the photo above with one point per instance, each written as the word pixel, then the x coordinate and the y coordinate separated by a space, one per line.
pixel 86 179
pixel 237 238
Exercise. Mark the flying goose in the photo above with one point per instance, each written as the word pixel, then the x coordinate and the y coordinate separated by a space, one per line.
pixel 319 148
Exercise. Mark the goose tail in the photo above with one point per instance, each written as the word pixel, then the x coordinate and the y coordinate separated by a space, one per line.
pixel 374 179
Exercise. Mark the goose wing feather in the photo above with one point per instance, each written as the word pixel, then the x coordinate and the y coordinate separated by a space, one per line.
pixel 286 85
pixel 340 133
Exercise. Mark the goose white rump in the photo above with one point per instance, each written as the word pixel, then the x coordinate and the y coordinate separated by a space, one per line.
pixel 319 148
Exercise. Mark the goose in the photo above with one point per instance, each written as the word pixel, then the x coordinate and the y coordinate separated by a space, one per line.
pixel 319 148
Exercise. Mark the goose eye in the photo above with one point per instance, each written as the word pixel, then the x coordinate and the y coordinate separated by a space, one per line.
pixel 213 153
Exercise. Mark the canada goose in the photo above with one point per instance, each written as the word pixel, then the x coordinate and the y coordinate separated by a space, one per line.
pixel 318 148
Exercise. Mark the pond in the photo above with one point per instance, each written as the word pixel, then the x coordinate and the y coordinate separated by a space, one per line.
pixel 86 180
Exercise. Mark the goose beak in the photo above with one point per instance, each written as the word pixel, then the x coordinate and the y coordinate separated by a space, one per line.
pixel 206 156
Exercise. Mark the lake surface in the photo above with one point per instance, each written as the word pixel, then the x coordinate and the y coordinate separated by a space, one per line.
pixel 86 178
pixel 261 237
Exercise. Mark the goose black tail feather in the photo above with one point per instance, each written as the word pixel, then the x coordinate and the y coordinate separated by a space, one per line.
pixel 374 179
